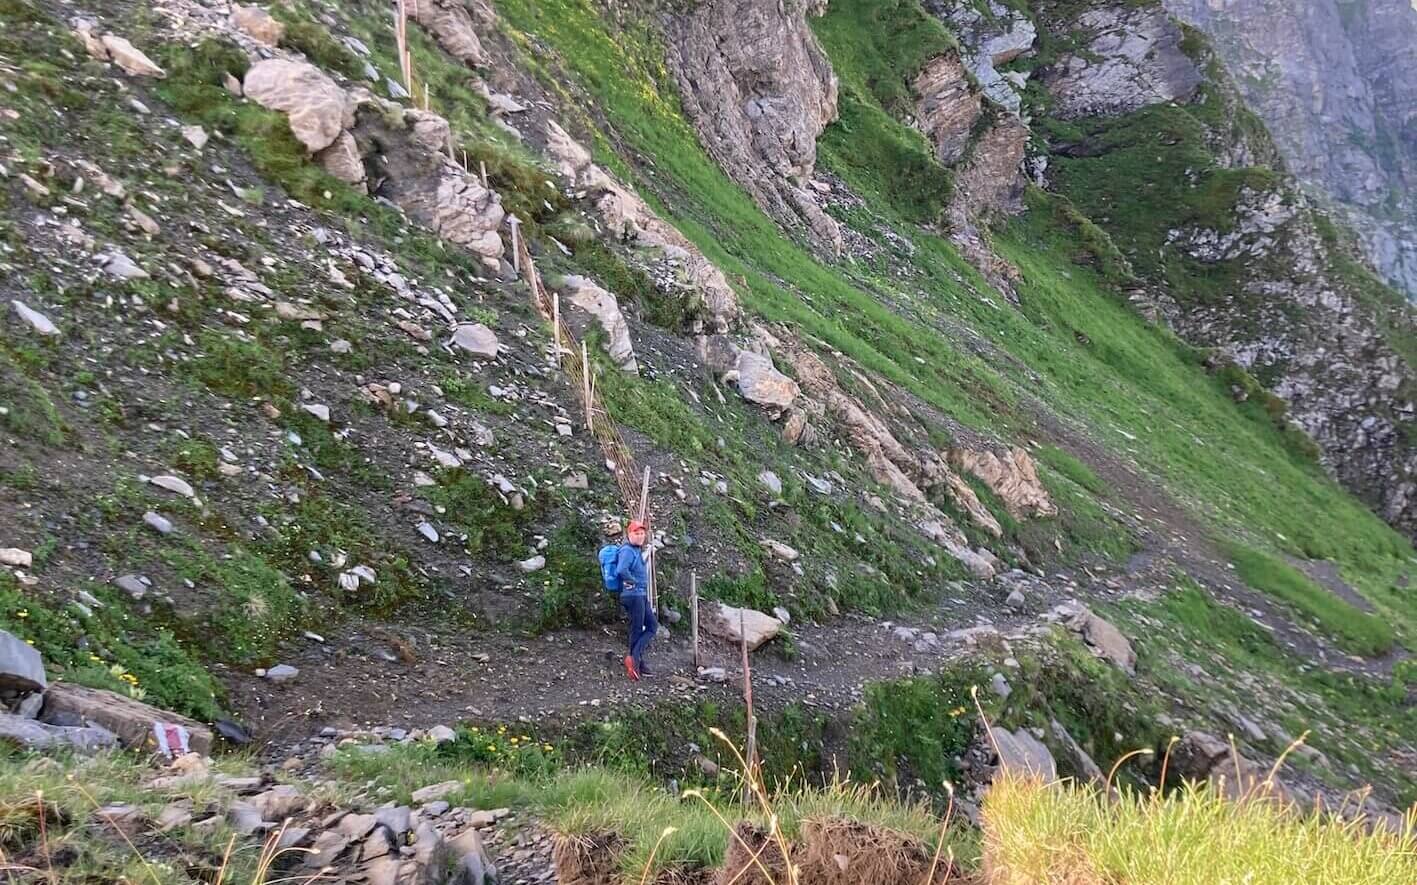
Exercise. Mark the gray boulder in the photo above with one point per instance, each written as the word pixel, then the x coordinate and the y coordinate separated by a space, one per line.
pixel 32 735
pixel 21 667
pixel 1020 753
pixel 318 110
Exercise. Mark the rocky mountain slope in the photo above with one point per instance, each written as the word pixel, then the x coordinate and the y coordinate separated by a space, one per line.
pixel 1333 81
pixel 1006 326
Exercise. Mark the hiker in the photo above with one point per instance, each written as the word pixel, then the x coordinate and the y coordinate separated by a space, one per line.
pixel 634 590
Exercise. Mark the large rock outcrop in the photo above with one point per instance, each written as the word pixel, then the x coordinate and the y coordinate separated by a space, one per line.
pixel 1336 83
pixel 1294 310
pixel 630 218
pixel 453 23
pixel 1290 320
pixel 759 90
pixel 907 473
pixel 407 149
pixel 1010 474
pixel 947 107
pixel 584 294
pixel 1131 57
pixel 317 108
pixel 989 41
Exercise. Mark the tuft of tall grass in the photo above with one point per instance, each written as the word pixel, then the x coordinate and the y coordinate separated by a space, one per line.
pixel 1046 833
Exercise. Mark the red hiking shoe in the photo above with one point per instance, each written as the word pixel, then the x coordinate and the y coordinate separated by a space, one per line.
pixel 630 670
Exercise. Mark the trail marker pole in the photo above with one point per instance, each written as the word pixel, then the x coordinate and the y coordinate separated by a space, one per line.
pixel 752 746
pixel 556 325
pixel 694 615
pixel 483 165
pixel 515 222
pixel 585 384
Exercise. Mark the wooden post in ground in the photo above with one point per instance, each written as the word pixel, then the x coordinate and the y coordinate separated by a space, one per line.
pixel 483 165
pixel 751 749
pixel 556 325
pixel 514 222
pixel 694 616
pixel 585 387
pixel 644 519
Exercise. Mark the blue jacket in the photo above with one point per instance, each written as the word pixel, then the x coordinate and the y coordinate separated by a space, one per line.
pixel 630 569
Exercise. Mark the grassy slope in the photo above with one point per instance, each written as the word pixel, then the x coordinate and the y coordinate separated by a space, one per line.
pixel 1139 389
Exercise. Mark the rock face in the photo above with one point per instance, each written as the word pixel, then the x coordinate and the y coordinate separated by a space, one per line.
pixel 1336 84
pixel 905 472
pixel 600 304
pixel 1131 58
pixel 990 40
pixel 1201 756
pixel 318 109
pixel 759 90
pixel 409 147
pixel 452 26
pixel 34 735
pixel 947 108
pixel 991 182
pixel 1022 754
pixel 630 218
pixel 1010 474
pixel 1100 634
pixel 1293 312
pixel 132 721
pixel 128 57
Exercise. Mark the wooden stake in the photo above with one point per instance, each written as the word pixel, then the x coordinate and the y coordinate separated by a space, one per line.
pixel 483 164
pixel 585 387
pixel 694 616
pixel 644 498
pixel 515 222
pixel 556 324
pixel 751 753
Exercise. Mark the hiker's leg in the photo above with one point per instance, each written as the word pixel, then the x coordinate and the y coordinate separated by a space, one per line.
pixel 650 627
pixel 637 608
pixel 632 626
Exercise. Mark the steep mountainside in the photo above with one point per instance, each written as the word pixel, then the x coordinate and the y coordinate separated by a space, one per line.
pixel 1336 82
pixel 336 343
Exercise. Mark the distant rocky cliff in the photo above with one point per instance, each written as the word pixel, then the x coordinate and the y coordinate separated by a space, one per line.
pixel 1336 82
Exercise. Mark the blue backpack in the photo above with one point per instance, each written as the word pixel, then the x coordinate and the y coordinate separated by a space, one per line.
pixel 609 555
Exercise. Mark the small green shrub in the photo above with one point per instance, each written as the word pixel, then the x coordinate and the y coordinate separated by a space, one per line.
pixel 329 527
pixel 494 527
pixel 911 732
pixel 239 368
pixel 572 594
pixel 253 607
pixel 316 42
pixel 748 589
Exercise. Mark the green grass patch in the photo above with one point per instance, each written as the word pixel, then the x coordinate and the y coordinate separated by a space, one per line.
pixel 877 47
pixel 253 606
pixel 911 732
pixel 237 367
pixel 1355 630
pixel 494 528
pixel 108 647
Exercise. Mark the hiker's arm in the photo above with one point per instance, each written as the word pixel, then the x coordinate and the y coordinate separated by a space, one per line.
pixel 624 569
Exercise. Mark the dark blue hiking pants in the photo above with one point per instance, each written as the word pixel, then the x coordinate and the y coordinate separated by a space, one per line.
pixel 643 625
